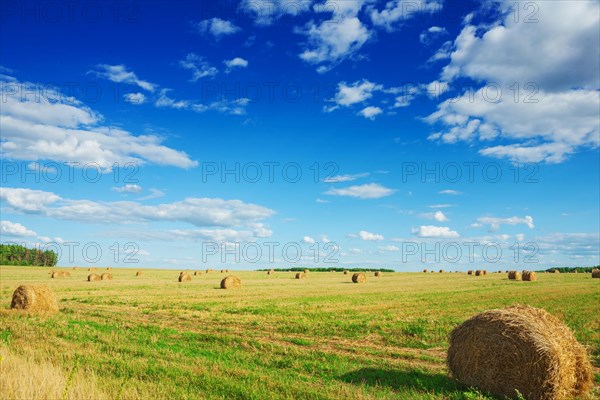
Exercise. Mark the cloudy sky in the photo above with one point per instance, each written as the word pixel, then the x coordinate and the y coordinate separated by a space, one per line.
pixel 260 134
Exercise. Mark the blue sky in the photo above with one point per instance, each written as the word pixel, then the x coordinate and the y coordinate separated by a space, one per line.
pixel 400 134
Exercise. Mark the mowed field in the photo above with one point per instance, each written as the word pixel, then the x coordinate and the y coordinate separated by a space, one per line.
pixel 318 338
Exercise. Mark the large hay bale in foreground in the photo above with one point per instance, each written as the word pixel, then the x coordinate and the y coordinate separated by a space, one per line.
pixel 378 274
pixel 231 282
pixel 529 276
pixel 520 348
pixel 93 277
pixel 596 273
pixel 34 298
pixel 106 276
pixel 300 275
pixel 359 277
pixel 185 277
pixel 514 275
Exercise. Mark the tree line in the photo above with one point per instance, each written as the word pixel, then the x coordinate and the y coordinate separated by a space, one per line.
pixel 15 254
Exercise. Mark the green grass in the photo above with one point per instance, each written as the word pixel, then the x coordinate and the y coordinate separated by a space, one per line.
pixel 277 337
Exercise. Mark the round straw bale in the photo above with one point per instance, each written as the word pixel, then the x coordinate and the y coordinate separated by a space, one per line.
pixel 469 272
pixel 89 269
pixel 106 276
pixel 359 277
pixel 346 272
pixel 222 271
pixel 75 268
pixel 595 273
pixel 520 348
pixel 555 271
pixel 93 277
pixel 442 271
pixel 514 275
pixel 209 270
pixel 108 268
pixel 139 273
pixel 306 271
pixel 300 275
pixel 529 276
pixel 231 282
pixel 378 274
pixel 35 298
pixel 56 274
pixel 197 273
pixel 270 272
pixel 478 272
pixel 185 277
pixel 425 270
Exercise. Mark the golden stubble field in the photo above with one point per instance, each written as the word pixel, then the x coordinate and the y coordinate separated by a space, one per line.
pixel 321 337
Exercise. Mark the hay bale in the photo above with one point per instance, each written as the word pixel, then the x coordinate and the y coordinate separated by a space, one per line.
pixel 485 272
pixel 270 272
pixel 75 268
pixel 442 271
pixel 529 276
pixel 425 271
pixel 208 271
pixel 378 274
pixel 106 276
pixel 359 277
pixel 222 271
pixel 596 273
pixel 231 282
pixel 346 272
pixel 55 274
pixel 93 278
pixel 89 269
pixel 555 271
pixel 469 272
pixel 108 268
pixel 300 275
pixel 479 273
pixel 185 277
pixel 139 273
pixel 197 273
pixel 514 275
pixel 226 271
pixel 306 271
pixel 34 298
pixel 520 348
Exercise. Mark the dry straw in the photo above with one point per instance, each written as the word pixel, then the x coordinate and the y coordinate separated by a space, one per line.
pixel 469 272
pixel 442 271
pixel 300 275
pixel 529 276
pixel 479 273
pixel 514 275
pixel 555 271
pixel 596 273
pixel 139 273
pixel 93 277
pixel 425 270
pixel 378 274
pixel 198 273
pixel 34 298
pixel 184 277
pixel 209 271
pixel 520 348
pixel 106 276
pixel 359 277
pixel 346 272
pixel 271 272
pixel 231 282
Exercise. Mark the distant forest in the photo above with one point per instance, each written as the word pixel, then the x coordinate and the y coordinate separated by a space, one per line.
pixel 14 254
pixel 331 269
pixel 572 269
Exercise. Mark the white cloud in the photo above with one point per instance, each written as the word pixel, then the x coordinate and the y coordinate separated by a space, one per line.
pixel 135 98
pixel 520 237
pixel 217 27
pixel 265 12
pixel 370 112
pixel 196 211
pixel 199 66
pixel 368 236
pixel 429 35
pixel 440 205
pixel 450 191
pixel 398 11
pixel 345 178
pixel 334 40
pixel 53 127
pixel 495 223
pixel 389 248
pixel 324 239
pixel 308 240
pixel 236 62
pixel 129 188
pixel 540 96
pixel 154 194
pixel 354 93
pixel 9 228
pixel 366 191
pixel 429 231
pixel 119 74
pixel 321 201
pixel 438 216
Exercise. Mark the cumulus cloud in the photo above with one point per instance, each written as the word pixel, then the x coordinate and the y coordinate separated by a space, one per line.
pixel 129 188
pixel 345 178
pixel 217 27
pixel 366 191
pixel 398 11
pixel 308 240
pixel 120 74
pixel 431 34
pixel 495 223
pixel 370 112
pixel 540 94
pixel 265 12
pixel 9 228
pixel 438 216
pixel 236 62
pixel 450 191
pixel 201 212
pixel 135 98
pixel 389 248
pixel 430 231
pixel 368 236
pixel 57 128
pixel 199 66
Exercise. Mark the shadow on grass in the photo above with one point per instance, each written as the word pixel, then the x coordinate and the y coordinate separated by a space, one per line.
pixel 402 380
